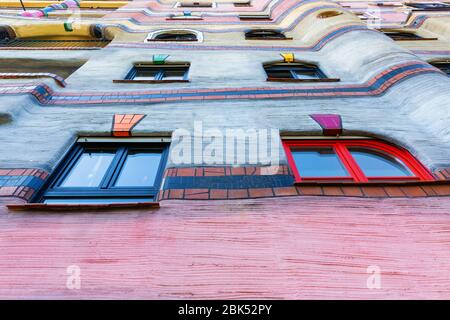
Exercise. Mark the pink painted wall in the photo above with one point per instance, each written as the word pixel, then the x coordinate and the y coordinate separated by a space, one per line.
pixel 296 247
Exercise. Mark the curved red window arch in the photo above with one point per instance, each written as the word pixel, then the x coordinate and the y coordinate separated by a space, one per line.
pixel 342 150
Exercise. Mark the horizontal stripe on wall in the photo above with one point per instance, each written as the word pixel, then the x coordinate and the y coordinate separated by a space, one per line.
pixel 378 85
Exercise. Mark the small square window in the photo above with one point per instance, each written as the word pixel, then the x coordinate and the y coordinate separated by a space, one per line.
pixel 242 4
pixel 404 35
pixel 295 72
pixel 254 16
pixel 195 4
pixel 108 172
pixel 156 73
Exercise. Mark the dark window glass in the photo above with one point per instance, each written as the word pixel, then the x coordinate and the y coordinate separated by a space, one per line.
pixel 89 170
pixel 264 34
pixel 318 162
pixel 158 72
pixel 139 169
pixel 394 35
pixel 377 164
pixel 294 71
pixel 443 66
pixel 176 36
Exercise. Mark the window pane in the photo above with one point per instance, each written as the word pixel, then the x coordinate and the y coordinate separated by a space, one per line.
pixel 146 73
pixel 139 169
pixel 279 73
pixel 174 73
pixel 377 164
pixel 89 170
pixel 318 162
pixel 301 74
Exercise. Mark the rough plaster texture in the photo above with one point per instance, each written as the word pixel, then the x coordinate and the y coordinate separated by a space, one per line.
pixel 413 113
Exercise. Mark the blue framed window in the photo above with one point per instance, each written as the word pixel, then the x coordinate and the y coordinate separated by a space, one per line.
pixel 146 72
pixel 295 71
pixel 108 172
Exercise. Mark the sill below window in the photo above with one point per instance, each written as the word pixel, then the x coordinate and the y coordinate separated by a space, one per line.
pixel 371 183
pixel 303 80
pixel 170 40
pixel 148 81
pixel 409 39
pixel 269 39
pixel 184 18
pixel 255 19
pixel 81 207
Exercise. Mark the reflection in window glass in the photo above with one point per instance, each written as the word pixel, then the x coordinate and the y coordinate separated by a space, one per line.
pixel 89 170
pixel 377 164
pixel 318 162
pixel 139 170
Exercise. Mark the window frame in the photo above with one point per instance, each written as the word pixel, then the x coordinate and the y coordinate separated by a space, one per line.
pixel 174 33
pixel 106 189
pixel 160 74
pixel 356 175
pixel 321 76
pixel 400 35
pixel 249 35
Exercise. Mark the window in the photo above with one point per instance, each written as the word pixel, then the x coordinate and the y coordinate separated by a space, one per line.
pixel 443 65
pixel 194 4
pixel 404 35
pixel 186 15
pixel 54 44
pixel 157 73
pixel 242 4
pixel 254 16
pixel 357 160
pixel 265 34
pixel 108 172
pixel 430 6
pixel 175 36
pixel 295 72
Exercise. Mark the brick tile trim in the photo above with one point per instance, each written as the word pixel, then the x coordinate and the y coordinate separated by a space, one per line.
pixel 442 173
pixel 124 123
pixel 362 191
pixel 21 183
pixel 226 171
pixel 377 86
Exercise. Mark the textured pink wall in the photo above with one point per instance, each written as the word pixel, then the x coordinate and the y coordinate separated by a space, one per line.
pixel 296 247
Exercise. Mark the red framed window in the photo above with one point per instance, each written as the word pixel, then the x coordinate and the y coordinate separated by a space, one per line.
pixel 354 160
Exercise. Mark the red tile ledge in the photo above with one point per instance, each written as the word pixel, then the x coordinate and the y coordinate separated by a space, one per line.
pixel 84 207
pixel 373 183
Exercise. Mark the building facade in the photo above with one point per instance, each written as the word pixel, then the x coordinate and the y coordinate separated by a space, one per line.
pixel 229 149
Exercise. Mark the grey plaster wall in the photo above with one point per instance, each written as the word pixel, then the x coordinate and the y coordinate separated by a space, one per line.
pixel 413 114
